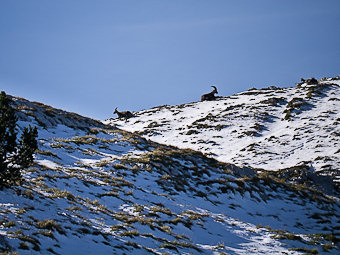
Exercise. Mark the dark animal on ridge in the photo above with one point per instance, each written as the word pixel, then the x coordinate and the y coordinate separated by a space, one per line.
pixel 125 114
pixel 310 81
pixel 210 96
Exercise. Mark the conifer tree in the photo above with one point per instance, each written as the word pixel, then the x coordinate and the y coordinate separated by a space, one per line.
pixel 14 156
pixel 27 146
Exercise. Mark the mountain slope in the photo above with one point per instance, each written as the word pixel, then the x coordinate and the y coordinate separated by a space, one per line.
pixel 270 129
pixel 95 188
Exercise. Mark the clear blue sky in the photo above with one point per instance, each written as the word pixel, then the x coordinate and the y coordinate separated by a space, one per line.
pixel 91 56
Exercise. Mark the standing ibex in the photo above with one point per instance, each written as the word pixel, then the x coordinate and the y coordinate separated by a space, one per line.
pixel 125 114
pixel 210 96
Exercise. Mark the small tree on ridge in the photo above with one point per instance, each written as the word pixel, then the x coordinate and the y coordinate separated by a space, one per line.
pixel 14 156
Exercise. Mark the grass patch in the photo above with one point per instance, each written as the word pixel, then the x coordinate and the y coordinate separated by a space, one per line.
pixel 50 225
pixel 57 193
pixel 27 239
pixel 47 153
pixel 160 209
pixel 129 233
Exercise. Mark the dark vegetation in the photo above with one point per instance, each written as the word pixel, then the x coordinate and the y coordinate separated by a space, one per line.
pixel 15 155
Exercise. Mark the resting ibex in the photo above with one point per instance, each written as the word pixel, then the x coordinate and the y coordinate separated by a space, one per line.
pixel 310 81
pixel 210 96
pixel 125 114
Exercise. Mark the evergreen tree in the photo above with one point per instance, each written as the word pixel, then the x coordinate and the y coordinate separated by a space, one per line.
pixel 13 156
pixel 28 145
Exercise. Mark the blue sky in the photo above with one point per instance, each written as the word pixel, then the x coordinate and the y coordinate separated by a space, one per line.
pixel 92 56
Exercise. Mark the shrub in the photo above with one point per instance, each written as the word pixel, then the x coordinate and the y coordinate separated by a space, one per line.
pixel 14 156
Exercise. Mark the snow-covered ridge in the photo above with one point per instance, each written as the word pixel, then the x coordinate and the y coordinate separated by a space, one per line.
pixel 49 117
pixel 95 188
pixel 270 129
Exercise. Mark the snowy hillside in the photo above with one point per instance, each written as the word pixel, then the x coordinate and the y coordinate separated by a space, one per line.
pixel 271 129
pixel 95 189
